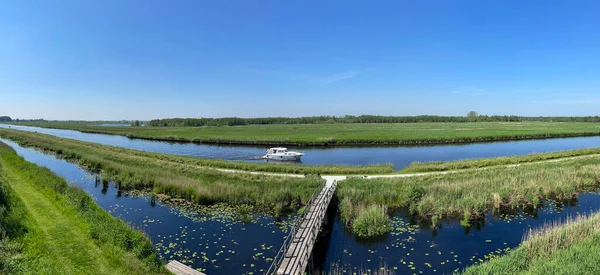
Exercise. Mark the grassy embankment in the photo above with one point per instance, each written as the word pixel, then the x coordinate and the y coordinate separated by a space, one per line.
pixel 570 248
pixel 419 167
pixel 176 176
pixel 347 134
pixel 49 227
pixel 471 193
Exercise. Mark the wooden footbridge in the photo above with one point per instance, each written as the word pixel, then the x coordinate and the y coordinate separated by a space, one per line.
pixel 295 252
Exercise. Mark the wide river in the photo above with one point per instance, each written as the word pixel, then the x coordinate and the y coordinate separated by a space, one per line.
pixel 398 156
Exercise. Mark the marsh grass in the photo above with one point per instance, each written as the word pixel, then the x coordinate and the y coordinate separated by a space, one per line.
pixel 470 194
pixel 371 221
pixel 365 220
pixel 59 228
pixel 570 247
pixel 178 177
pixel 554 236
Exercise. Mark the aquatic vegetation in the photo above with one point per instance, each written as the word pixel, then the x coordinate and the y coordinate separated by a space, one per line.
pixel 371 221
pixel 48 217
pixel 471 193
pixel 340 134
pixel 572 247
pixel 175 176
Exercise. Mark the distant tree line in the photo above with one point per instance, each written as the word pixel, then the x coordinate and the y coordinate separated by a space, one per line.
pixel 471 117
pixel 29 120
pixel 5 119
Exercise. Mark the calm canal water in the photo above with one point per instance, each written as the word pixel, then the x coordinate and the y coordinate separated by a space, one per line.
pixel 214 240
pixel 415 248
pixel 398 156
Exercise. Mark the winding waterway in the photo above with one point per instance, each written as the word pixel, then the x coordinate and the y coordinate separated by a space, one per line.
pixel 398 156
pixel 216 241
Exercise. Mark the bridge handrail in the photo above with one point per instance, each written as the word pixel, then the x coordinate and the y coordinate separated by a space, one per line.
pixel 290 237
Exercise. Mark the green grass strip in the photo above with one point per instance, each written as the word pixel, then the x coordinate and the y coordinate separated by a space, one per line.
pixel 65 231
pixel 418 167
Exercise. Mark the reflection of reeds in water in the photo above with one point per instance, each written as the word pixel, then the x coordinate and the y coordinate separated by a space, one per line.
pixel 343 269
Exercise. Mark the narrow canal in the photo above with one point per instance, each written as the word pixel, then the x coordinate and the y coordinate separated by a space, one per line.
pixel 398 156
pixel 216 240
pixel 213 239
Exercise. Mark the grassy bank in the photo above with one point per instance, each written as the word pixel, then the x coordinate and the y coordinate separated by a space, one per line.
pixel 570 248
pixel 49 227
pixel 471 193
pixel 347 134
pixel 418 167
pixel 176 176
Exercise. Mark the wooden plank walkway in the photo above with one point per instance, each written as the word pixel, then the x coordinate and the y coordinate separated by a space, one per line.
pixel 178 268
pixel 298 252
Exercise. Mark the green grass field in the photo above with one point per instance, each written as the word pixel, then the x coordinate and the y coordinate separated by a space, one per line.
pixel 347 134
pixel 570 248
pixel 49 227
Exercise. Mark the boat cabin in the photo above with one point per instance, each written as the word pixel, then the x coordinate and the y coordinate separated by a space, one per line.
pixel 277 150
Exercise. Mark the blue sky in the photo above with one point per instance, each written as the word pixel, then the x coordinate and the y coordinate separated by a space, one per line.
pixel 119 59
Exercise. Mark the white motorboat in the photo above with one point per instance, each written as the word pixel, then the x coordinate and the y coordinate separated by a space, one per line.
pixel 280 153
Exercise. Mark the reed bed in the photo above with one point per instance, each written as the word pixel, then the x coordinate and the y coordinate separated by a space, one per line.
pixel 180 177
pixel 50 227
pixel 371 221
pixel 570 247
pixel 365 220
pixel 471 193
pixel 347 134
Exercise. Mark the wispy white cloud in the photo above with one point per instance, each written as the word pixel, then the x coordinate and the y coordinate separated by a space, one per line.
pixel 475 91
pixel 333 78
pixel 340 77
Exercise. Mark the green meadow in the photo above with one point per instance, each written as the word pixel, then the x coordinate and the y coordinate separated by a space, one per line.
pixel 49 227
pixel 346 133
